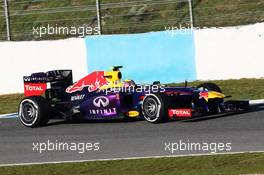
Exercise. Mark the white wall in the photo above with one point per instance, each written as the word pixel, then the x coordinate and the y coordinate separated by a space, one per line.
pixel 234 52
pixel 230 53
pixel 24 58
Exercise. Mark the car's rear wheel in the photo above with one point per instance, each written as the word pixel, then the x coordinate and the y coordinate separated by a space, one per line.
pixel 34 111
pixel 154 108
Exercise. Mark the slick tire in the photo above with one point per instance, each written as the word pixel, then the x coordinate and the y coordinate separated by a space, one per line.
pixel 154 108
pixel 34 111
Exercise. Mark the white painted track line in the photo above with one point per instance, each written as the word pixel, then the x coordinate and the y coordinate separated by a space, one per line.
pixel 11 115
pixel 256 102
pixel 130 158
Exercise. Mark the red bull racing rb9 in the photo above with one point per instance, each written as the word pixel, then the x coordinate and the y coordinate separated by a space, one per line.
pixel 103 95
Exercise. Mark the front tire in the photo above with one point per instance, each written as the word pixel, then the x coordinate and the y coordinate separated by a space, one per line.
pixel 34 111
pixel 154 108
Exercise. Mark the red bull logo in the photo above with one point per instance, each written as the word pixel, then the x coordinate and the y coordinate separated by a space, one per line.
pixel 93 81
pixel 203 95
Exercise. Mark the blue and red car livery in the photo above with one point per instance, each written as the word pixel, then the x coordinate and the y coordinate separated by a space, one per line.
pixel 103 95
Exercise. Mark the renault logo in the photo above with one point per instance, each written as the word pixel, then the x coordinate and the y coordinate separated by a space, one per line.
pixel 101 101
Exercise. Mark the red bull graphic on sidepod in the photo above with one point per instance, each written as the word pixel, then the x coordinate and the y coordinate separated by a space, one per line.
pixel 93 81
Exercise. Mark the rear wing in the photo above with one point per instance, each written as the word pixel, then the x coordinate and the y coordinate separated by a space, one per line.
pixel 37 83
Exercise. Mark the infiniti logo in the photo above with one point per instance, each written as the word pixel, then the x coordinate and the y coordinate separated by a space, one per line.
pixel 101 101
pixel 26 79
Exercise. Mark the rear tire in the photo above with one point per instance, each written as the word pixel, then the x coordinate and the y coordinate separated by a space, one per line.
pixel 34 111
pixel 154 108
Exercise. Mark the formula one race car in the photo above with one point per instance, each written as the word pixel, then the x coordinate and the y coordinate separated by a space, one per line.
pixel 102 95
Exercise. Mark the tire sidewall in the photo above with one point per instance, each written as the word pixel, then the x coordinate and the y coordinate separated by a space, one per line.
pixel 41 108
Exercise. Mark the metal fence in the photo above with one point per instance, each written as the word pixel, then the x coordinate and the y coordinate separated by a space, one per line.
pixel 18 18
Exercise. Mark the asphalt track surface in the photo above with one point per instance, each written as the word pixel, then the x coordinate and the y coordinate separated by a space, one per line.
pixel 130 139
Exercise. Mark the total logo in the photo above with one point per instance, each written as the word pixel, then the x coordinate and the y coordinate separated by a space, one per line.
pixel 101 101
pixel 33 88
pixel 180 112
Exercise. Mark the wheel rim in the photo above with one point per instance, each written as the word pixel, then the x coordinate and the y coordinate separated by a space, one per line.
pixel 28 112
pixel 151 109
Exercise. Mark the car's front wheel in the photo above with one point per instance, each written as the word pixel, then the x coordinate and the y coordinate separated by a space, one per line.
pixel 34 111
pixel 154 108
